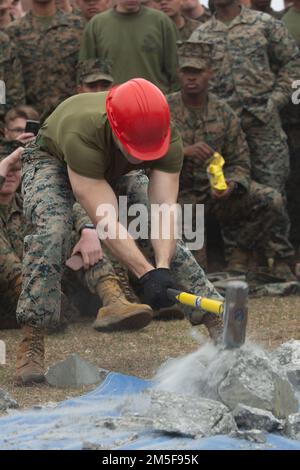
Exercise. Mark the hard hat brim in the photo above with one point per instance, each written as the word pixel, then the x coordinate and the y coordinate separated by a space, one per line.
pixel 144 155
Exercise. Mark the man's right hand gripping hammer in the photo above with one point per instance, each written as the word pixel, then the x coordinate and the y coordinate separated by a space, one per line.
pixel 155 284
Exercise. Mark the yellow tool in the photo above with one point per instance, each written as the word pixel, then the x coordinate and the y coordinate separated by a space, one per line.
pixel 196 301
pixel 234 310
pixel 215 172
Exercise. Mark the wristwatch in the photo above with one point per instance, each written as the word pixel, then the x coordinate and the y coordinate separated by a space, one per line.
pixel 90 226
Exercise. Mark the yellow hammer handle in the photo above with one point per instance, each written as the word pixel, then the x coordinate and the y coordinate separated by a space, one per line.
pixel 211 305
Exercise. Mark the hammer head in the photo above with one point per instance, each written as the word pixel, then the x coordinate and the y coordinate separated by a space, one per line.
pixel 235 314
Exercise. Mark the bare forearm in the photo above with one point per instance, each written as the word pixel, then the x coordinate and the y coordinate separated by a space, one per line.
pixel 118 242
pixel 127 252
pixel 163 190
pixel 164 251
pixel 163 235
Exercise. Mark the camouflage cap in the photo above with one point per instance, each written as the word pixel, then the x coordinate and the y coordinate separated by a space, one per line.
pixel 194 54
pixel 92 70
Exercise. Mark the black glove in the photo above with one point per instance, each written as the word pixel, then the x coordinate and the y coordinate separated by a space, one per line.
pixel 154 285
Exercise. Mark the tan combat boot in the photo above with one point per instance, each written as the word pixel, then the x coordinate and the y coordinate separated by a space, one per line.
pixel 238 261
pixel 123 279
pixel 117 312
pixel 30 357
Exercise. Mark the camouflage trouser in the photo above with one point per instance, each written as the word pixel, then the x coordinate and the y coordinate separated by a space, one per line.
pixel 268 150
pixel 10 276
pixel 249 216
pixel 270 166
pixel 48 202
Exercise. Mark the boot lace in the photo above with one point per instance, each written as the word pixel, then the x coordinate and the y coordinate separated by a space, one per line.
pixel 124 283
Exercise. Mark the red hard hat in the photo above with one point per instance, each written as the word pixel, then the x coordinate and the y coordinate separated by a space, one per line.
pixel 139 116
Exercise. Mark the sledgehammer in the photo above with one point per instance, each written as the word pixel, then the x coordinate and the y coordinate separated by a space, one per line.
pixel 234 310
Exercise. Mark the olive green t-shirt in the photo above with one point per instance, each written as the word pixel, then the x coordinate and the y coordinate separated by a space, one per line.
pixel 78 132
pixel 292 22
pixel 140 44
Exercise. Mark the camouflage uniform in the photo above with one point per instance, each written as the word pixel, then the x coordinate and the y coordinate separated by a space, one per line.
pixel 12 231
pixel 92 70
pixel 187 29
pixel 48 201
pixel 48 56
pixel 11 74
pixel 251 61
pixel 252 208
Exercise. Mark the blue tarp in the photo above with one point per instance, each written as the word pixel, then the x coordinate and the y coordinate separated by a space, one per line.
pixel 73 422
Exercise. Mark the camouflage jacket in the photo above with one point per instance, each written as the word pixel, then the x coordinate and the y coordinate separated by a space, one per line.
pixel 251 60
pixel 48 56
pixel 187 29
pixel 218 126
pixel 11 75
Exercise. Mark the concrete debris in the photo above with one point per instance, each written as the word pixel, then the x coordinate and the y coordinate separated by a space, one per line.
pixel 253 435
pixel 113 445
pixel 93 446
pixel 243 393
pixel 292 426
pixel 248 376
pixel 73 372
pixel 287 356
pixel 189 416
pixel 255 418
pixel 6 401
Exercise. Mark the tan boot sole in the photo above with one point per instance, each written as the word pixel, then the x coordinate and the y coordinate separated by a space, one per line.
pixel 133 321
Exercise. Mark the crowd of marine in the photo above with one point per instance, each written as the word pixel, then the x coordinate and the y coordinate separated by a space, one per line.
pixel 229 73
